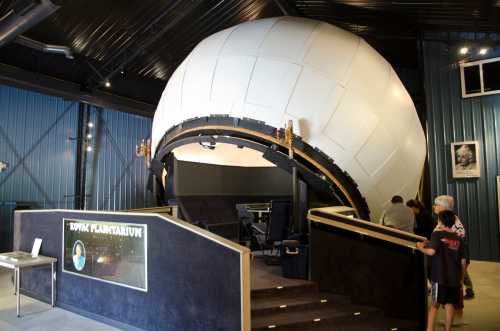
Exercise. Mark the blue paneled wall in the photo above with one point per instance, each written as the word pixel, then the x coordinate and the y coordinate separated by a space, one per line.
pixel 38 143
pixel 117 177
pixel 451 118
pixel 35 132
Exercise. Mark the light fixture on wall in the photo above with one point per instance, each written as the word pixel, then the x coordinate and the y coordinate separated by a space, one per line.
pixel 144 150
pixel 463 50
pixel 483 51
pixel 472 50
pixel 3 166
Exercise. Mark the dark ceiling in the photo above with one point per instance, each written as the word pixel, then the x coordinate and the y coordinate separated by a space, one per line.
pixel 138 44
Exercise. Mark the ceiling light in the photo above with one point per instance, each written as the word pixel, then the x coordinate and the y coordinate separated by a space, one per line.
pixel 91 125
pixel 89 148
pixel 122 71
pixel 464 50
pixel 89 136
pixel 483 51
pixel 107 84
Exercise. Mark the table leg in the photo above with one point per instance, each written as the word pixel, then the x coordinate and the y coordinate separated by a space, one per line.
pixel 52 282
pixel 15 282
pixel 18 281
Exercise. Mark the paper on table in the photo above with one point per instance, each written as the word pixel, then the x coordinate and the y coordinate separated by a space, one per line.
pixel 36 247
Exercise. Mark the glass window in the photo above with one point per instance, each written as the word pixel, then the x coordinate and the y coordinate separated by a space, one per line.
pixel 491 76
pixel 472 79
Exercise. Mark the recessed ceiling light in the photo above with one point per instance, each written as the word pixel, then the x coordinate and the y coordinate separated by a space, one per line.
pixel 91 125
pixel 483 51
pixel 464 50
pixel 107 84
pixel 89 148
pixel 89 136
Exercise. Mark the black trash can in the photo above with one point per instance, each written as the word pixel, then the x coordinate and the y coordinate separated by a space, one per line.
pixel 294 260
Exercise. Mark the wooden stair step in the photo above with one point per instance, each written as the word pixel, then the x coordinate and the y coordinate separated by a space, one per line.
pixel 298 320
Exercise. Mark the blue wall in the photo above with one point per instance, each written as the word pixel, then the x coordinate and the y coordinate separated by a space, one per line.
pixel 116 177
pixel 451 118
pixel 34 132
pixel 37 141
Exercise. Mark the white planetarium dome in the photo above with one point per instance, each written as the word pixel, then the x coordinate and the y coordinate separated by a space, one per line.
pixel 343 97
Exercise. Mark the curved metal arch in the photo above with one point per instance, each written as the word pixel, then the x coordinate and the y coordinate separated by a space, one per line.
pixel 265 135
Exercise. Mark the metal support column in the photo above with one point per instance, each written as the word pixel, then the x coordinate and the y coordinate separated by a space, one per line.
pixel 296 219
pixel 17 273
pixel 297 224
pixel 52 279
pixel 81 154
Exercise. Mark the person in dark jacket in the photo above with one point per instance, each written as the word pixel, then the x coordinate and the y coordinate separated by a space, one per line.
pixel 424 223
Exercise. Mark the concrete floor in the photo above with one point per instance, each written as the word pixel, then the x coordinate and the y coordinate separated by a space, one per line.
pixel 483 312
pixel 38 316
pixel 480 314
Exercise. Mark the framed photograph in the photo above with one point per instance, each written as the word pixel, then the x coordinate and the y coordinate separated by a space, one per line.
pixel 465 159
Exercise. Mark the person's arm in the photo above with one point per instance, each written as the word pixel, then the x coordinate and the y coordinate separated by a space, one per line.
pixel 426 250
pixel 429 247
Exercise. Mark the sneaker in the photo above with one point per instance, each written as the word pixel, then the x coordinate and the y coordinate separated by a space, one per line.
pixel 469 294
pixel 458 321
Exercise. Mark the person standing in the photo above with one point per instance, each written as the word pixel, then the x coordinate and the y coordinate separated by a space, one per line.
pixel 446 202
pixel 424 223
pixel 398 216
pixel 448 267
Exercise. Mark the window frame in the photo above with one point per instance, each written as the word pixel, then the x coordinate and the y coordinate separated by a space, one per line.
pixel 475 63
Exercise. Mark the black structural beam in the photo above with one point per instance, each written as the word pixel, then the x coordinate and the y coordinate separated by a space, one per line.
pixel 10 75
pixel 79 153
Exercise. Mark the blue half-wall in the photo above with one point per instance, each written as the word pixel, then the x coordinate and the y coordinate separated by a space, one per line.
pixel 450 118
pixel 38 143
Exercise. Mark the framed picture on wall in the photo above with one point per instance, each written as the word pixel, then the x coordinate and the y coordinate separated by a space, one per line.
pixel 465 159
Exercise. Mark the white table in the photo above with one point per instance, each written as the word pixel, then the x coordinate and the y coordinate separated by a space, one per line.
pixel 29 261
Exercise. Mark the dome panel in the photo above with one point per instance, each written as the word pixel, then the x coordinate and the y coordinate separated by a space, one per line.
pixel 377 150
pixel 272 84
pixel 232 77
pixel 313 94
pixel 288 39
pixel 326 41
pixel 352 123
pixel 368 66
pixel 247 37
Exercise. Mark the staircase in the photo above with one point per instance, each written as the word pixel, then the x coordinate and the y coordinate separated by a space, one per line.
pixel 303 307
